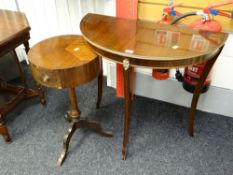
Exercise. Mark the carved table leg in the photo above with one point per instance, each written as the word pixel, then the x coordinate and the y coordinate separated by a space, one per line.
pixel 198 90
pixel 4 131
pixel 100 86
pixel 66 142
pixel 78 123
pixel 127 105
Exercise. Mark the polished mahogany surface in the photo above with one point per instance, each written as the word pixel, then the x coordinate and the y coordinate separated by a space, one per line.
pixel 13 25
pixel 165 46
pixel 61 52
pixel 63 62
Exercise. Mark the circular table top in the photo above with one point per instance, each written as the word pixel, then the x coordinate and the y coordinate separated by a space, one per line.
pixel 146 43
pixel 61 52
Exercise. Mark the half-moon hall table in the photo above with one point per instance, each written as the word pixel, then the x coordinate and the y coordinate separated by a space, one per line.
pixel 147 44
pixel 67 61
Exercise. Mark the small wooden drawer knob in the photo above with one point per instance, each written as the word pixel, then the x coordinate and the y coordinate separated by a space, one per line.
pixel 46 78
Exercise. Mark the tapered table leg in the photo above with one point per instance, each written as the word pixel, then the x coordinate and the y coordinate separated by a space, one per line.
pixel 78 123
pixel 127 105
pixel 100 85
pixel 26 45
pixel 198 90
pixel 29 93
pixel 22 76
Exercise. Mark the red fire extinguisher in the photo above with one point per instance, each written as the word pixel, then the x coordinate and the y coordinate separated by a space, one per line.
pixel 192 73
pixel 167 16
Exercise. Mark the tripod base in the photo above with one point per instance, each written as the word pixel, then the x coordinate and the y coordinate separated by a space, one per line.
pixel 80 123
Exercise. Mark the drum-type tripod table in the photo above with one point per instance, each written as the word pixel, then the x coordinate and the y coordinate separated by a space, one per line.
pixel 67 62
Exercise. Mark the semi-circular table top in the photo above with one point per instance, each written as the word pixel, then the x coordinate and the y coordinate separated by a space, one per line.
pixel 145 43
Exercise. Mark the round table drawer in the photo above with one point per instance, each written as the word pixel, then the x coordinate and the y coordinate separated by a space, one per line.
pixel 66 78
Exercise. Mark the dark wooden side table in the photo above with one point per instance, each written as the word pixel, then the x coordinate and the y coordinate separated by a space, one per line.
pixel 147 44
pixel 67 62
pixel 14 31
